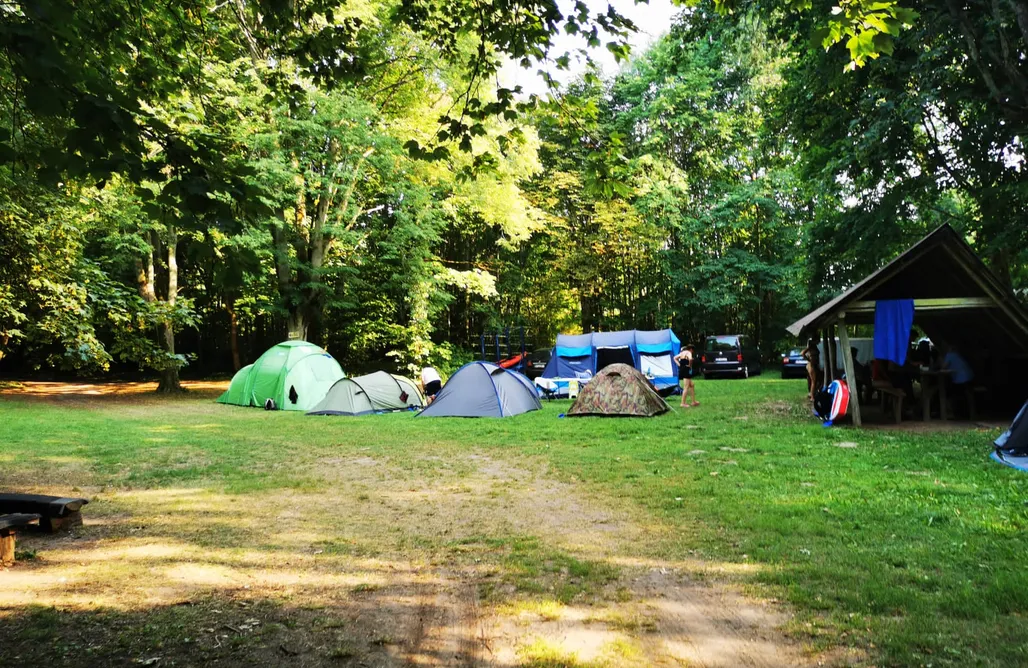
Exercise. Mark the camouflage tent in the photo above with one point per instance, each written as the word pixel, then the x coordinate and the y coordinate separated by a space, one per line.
pixel 618 390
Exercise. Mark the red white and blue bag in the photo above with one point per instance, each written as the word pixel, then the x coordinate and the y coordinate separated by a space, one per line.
pixel 831 403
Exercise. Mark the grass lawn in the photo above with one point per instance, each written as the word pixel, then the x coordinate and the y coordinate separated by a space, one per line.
pixel 227 536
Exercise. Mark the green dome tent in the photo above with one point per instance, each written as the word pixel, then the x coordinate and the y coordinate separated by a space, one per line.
pixel 294 374
pixel 374 393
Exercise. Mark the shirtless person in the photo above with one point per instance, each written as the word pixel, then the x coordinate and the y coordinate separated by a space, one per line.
pixel 686 370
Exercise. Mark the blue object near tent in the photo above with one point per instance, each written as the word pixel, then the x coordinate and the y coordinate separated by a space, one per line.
pixel 651 352
pixel 893 320
pixel 1014 441
pixel 484 389
pixel 1019 463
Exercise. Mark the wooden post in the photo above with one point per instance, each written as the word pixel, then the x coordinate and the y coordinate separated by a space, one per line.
pixel 6 547
pixel 826 360
pixel 851 377
pixel 835 350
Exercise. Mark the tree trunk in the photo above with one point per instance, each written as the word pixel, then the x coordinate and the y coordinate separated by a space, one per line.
pixel 999 262
pixel 298 324
pixel 169 374
pixel 233 323
pixel 588 314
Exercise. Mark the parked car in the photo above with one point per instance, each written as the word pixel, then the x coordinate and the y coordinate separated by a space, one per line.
pixel 537 361
pixel 793 364
pixel 730 354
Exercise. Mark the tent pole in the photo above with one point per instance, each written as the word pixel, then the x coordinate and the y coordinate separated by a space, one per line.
pixel 847 361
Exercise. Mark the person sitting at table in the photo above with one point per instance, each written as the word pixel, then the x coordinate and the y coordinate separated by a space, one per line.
pixel 922 355
pixel 863 377
pixel 886 373
pixel 959 379
pixel 902 378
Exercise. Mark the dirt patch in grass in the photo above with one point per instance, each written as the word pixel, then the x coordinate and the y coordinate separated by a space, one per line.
pixel 481 562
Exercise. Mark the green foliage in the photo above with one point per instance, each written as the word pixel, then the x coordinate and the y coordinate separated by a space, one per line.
pixel 924 137
pixel 44 279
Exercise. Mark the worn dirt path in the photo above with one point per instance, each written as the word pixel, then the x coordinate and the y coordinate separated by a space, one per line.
pixel 415 562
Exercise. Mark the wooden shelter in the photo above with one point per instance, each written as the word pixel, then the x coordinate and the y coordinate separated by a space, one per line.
pixel 956 298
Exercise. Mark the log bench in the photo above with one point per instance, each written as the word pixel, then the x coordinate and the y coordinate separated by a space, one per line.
pixel 9 524
pixel 55 512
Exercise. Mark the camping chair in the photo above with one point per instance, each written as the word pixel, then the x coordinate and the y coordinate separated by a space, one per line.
pixel 573 389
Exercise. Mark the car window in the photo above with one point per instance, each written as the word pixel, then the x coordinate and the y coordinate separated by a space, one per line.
pixel 720 343
pixel 795 351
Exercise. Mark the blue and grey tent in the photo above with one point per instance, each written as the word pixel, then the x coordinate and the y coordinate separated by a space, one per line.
pixel 484 389
pixel 651 352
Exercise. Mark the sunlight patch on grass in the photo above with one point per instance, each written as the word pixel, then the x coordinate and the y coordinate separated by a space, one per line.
pixel 624 650
pixel 546 609
pixel 543 654
pixel 624 618
pixel 63 459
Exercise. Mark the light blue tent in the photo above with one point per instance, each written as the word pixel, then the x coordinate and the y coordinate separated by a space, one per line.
pixel 651 352
pixel 484 389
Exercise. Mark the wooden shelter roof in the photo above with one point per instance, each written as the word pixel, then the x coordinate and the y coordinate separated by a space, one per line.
pixel 955 295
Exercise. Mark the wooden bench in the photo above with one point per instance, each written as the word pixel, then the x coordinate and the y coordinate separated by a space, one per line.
pixel 971 392
pixel 897 395
pixel 55 512
pixel 9 524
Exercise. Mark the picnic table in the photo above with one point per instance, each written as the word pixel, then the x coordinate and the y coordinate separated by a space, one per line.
pixel 933 381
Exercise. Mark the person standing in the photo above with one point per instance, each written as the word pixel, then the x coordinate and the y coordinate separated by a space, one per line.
pixel 686 371
pixel 959 380
pixel 813 357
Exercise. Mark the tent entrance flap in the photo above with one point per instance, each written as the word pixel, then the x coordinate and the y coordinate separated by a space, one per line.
pixel 620 355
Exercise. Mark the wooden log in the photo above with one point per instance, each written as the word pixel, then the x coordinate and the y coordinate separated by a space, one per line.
pixel 6 547
pixel 55 524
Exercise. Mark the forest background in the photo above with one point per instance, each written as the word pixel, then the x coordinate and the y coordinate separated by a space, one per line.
pixel 184 183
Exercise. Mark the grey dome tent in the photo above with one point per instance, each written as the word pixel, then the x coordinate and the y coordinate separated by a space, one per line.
pixel 372 393
pixel 1014 441
pixel 483 389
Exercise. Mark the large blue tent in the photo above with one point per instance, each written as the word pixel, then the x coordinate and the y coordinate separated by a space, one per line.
pixel 651 352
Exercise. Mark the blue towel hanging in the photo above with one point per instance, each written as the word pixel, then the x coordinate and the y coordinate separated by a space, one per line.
pixel 893 320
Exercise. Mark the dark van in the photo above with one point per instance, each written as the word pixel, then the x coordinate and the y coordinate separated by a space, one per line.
pixel 730 354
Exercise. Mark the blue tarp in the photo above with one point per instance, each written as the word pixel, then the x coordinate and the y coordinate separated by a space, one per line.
pixel 893 320
pixel 575 354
